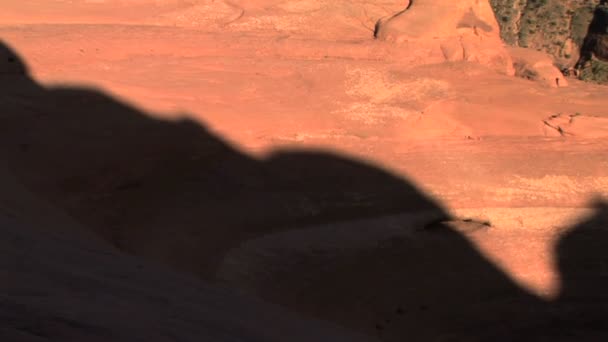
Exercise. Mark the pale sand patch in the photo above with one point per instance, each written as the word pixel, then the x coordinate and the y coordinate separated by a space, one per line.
pixel 385 87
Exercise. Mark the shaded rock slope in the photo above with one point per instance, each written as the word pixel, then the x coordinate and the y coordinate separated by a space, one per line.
pixel 275 148
pixel 58 284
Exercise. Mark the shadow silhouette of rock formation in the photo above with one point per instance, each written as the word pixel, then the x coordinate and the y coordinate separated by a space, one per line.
pixel 172 190
pixel 582 307
pixel 321 234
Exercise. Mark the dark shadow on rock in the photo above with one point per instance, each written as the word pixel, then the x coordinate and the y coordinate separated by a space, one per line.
pixel 176 193
pixel 173 190
pixel 596 40
pixel 581 310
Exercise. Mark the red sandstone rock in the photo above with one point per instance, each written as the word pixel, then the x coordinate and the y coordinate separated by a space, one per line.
pixel 536 66
pixel 463 30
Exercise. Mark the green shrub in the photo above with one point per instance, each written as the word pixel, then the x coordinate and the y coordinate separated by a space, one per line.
pixel 596 71
pixel 580 23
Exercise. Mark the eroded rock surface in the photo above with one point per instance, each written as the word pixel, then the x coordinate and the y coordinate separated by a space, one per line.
pixel 454 30
pixel 536 66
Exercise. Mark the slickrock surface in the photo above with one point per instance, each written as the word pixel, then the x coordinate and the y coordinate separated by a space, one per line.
pixel 158 155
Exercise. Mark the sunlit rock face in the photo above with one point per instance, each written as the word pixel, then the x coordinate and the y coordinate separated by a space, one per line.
pixel 457 30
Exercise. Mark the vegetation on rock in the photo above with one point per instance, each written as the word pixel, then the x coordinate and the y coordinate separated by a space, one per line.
pixel 558 27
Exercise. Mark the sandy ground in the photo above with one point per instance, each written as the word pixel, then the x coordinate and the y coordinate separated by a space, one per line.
pixel 277 148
